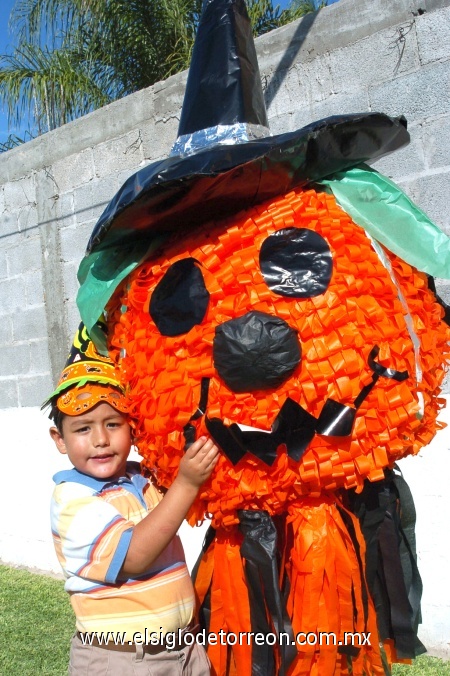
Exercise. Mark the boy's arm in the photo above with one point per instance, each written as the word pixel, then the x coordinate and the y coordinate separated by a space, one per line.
pixel 152 535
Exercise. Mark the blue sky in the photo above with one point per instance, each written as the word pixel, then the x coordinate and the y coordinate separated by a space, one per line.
pixel 5 9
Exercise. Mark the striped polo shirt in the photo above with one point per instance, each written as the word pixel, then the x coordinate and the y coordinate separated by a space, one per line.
pixel 92 523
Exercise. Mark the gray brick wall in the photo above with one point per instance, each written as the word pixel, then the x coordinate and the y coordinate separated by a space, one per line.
pixel 355 55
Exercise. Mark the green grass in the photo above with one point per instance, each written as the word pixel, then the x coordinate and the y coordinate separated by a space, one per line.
pixel 37 622
pixel 423 666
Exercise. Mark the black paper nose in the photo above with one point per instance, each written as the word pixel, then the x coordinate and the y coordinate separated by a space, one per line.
pixel 255 352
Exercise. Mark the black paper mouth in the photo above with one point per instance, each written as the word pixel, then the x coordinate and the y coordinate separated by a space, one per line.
pixel 293 426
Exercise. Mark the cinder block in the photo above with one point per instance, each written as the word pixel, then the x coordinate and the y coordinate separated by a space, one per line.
pixel 281 90
pixel 9 224
pixel 73 171
pixel 433 35
pixel 418 96
pixel 47 197
pixel 443 289
pixel 112 120
pixel 78 135
pixel 88 232
pixel 74 241
pixel 27 220
pixel 168 96
pixel 436 142
pixel 340 104
pixel 3 265
pixel 336 26
pixel 12 295
pixel 104 190
pixel 33 391
pixel 25 256
pixel 299 86
pixel 354 102
pixel 73 316
pixel 30 323
pixel 20 193
pixel 316 77
pixel 6 332
pixel 83 203
pixel 34 288
pixel 15 360
pixel 158 139
pixel 70 279
pixel 283 123
pixel 39 357
pixel 131 111
pixel 65 206
pixel 375 59
pixel 124 152
pixel 9 393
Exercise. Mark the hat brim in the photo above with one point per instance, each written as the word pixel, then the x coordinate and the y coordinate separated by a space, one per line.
pixel 179 194
pixel 182 192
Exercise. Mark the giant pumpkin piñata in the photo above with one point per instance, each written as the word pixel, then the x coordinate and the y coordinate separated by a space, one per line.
pixel 242 301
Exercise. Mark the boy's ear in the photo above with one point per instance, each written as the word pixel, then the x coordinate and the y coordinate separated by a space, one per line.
pixel 58 439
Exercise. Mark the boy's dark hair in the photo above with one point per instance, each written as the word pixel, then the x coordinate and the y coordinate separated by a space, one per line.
pixel 57 416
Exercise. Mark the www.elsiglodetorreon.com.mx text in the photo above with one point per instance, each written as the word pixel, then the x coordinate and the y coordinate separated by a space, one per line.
pixel 172 638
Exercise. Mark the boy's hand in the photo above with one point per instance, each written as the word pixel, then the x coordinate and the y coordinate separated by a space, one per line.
pixel 198 462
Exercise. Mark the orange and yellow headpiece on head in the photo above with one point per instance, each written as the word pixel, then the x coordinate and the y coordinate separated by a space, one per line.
pixel 88 379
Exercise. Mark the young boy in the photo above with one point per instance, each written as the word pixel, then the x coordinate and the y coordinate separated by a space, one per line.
pixel 115 534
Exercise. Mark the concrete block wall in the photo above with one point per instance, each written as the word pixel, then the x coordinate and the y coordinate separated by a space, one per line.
pixel 356 55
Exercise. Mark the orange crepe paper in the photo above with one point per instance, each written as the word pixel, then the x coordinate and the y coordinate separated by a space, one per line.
pixel 337 330
pixel 326 582
pixel 326 575
pixel 221 570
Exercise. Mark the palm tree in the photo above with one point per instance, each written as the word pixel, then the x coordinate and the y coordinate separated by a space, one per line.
pixel 73 56
pixel 299 8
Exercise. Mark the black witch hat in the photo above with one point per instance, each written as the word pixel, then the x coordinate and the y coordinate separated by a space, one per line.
pixel 224 160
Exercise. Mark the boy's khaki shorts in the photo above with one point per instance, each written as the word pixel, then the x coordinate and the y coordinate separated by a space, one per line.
pixel 87 660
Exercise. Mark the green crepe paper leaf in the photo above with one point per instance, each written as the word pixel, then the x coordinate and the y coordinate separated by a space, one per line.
pixel 101 272
pixel 388 215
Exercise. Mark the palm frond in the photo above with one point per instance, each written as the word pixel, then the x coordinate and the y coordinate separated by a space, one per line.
pixel 53 87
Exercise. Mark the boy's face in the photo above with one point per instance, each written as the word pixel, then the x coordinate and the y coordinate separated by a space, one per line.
pixel 97 442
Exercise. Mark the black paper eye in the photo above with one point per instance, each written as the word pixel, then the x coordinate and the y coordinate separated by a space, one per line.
pixel 296 262
pixel 180 299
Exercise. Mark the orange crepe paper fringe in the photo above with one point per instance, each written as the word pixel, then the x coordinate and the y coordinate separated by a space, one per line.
pixel 336 330
pixel 222 569
pixel 326 580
